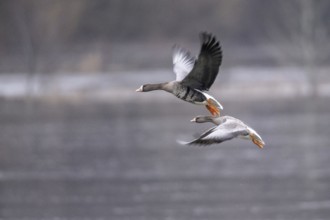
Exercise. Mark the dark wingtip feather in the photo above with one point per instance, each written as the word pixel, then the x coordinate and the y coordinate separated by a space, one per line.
pixel 207 65
pixel 209 42
pixel 205 36
pixel 198 142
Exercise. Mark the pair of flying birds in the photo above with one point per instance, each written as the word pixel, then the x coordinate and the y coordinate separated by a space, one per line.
pixel 193 78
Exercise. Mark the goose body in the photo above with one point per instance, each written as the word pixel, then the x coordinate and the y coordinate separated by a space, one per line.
pixel 194 76
pixel 227 128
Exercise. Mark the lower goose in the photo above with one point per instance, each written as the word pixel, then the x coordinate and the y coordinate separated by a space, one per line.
pixel 227 128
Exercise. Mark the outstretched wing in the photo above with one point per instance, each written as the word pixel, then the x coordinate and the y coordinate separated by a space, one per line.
pixel 206 67
pixel 219 134
pixel 213 136
pixel 183 62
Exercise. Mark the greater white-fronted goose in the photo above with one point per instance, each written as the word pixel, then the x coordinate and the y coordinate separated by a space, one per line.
pixel 193 76
pixel 227 128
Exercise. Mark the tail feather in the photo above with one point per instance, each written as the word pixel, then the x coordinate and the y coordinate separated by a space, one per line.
pixel 213 101
pixel 212 104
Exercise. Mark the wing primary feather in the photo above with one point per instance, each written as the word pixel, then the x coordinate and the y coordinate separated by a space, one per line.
pixel 199 140
pixel 206 67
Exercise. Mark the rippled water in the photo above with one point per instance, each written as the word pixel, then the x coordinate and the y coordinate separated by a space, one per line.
pixel 120 160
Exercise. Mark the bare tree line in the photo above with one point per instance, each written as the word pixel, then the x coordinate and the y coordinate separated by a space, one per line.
pixel 300 32
pixel 298 35
pixel 48 35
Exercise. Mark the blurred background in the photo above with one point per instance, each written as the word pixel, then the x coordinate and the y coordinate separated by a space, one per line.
pixel 77 142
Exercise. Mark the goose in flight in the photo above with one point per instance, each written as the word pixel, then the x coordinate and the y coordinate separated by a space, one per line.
pixel 227 128
pixel 194 76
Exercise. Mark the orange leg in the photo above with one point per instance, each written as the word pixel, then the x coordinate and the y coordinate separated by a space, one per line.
pixel 212 108
pixel 257 142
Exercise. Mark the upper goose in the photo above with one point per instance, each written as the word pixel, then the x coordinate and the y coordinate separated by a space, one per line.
pixel 194 75
pixel 227 128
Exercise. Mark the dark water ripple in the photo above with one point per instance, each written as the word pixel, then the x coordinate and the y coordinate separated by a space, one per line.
pixel 62 160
